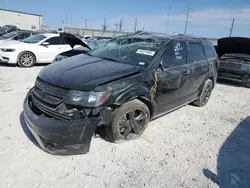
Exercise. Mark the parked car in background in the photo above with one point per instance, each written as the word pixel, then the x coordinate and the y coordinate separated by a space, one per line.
pixel 7 29
pixel 121 85
pixel 17 36
pixel 234 55
pixel 78 46
pixel 40 48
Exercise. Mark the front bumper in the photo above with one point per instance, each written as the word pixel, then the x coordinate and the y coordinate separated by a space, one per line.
pixel 60 137
pixel 8 57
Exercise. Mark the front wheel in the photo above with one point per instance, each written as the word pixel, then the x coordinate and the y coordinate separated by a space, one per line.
pixel 26 59
pixel 130 121
pixel 247 85
pixel 205 94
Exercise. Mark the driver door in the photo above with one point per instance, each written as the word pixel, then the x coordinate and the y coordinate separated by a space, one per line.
pixel 47 52
pixel 174 77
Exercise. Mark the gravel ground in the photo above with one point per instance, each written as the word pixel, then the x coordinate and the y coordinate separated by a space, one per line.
pixel 173 151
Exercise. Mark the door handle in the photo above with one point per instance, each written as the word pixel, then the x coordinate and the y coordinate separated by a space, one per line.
pixel 186 72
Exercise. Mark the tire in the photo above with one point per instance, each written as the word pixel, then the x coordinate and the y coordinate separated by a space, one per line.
pixel 129 121
pixel 205 94
pixel 26 59
pixel 247 85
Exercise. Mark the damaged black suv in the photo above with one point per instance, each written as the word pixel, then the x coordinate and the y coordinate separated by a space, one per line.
pixel 121 86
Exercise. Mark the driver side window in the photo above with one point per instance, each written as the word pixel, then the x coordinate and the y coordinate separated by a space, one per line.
pixel 54 41
pixel 175 54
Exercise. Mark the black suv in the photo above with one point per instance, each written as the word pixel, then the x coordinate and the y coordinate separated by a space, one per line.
pixel 121 86
pixel 234 54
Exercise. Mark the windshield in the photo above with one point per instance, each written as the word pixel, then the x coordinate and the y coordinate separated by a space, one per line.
pixel 9 35
pixel 136 51
pixel 34 39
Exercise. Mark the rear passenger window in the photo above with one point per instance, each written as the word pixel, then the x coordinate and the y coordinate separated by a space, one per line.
pixel 210 51
pixel 196 52
pixel 175 54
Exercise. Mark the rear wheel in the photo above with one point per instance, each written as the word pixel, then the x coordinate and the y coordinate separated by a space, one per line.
pixel 129 121
pixel 26 59
pixel 205 94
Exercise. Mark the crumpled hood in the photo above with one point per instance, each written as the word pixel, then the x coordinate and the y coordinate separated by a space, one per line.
pixel 228 45
pixel 72 40
pixel 83 72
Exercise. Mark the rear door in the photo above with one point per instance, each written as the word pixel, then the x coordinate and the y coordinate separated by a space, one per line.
pixel 199 66
pixel 174 77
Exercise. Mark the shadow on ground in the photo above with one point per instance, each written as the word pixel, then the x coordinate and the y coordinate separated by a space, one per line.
pixel 15 65
pixel 26 129
pixel 229 83
pixel 233 164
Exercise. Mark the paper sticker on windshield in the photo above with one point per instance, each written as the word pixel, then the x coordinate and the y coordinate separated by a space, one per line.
pixel 145 52
pixel 141 63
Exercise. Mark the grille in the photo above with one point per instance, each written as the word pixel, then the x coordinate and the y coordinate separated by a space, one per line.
pixel 234 65
pixel 50 88
pixel 48 93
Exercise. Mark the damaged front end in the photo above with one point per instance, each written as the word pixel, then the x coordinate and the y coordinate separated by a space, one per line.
pixel 60 128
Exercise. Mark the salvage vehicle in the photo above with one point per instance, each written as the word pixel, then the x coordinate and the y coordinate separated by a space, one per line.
pixel 120 86
pixel 78 46
pixel 17 36
pixel 40 48
pixel 234 55
pixel 7 29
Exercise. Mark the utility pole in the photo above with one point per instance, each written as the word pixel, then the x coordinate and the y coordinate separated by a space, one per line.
pixel 104 26
pixel 232 27
pixel 135 24
pixel 86 23
pixel 169 9
pixel 143 28
pixel 66 20
pixel 187 19
pixel 119 25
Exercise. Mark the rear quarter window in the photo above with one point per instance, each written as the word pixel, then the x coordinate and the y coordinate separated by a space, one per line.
pixel 210 51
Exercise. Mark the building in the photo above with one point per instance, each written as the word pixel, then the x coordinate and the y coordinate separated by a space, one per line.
pixel 22 20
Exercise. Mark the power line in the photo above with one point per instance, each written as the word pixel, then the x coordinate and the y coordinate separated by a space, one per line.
pixel 232 26
pixel 187 19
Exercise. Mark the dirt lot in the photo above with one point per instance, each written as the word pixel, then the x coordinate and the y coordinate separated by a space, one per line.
pixel 173 152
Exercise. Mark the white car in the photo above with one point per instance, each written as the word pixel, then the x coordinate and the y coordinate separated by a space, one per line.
pixel 40 48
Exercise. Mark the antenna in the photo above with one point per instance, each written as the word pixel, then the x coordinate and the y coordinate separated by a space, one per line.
pixel 187 19
pixel 232 27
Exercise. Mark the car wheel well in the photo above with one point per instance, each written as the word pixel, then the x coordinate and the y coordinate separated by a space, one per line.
pixel 26 52
pixel 213 80
pixel 149 105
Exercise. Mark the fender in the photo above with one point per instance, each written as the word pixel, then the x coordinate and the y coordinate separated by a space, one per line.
pixel 140 92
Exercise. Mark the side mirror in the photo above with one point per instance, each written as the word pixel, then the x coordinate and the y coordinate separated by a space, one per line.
pixel 45 43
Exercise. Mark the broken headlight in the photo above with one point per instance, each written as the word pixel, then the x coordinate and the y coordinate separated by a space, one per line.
pixel 87 99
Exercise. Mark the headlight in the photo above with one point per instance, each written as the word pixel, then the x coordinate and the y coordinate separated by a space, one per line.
pixel 7 50
pixel 59 58
pixel 87 99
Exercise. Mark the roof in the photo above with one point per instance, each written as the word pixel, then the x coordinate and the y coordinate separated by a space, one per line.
pixel 20 12
pixel 50 34
pixel 163 36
